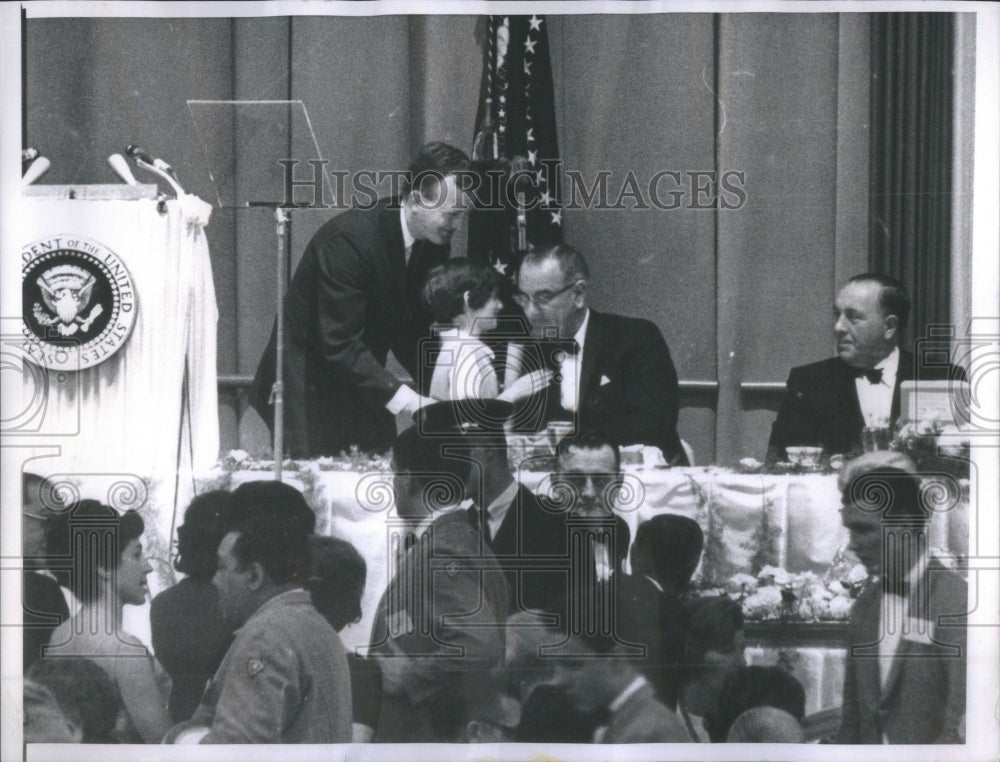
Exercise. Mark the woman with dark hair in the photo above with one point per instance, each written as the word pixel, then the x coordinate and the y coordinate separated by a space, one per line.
pixel 189 634
pixel 336 584
pixel 104 582
pixel 463 299
pixel 86 695
pixel 713 647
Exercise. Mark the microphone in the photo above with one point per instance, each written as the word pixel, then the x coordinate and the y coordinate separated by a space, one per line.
pixel 161 165
pixel 138 154
pixel 28 155
pixel 38 168
pixel 120 167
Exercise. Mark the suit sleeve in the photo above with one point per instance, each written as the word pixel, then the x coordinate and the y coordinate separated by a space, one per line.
pixel 465 626
pixel 848 732
pixel 794 424
pixel 260 693
pixel 342 305
pixel 651 388
pixel 954 667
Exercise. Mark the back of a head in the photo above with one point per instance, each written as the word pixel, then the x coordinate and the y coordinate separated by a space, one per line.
pixel 668 547
pixel 766 724
pixel 44 719
pixel 336 580
pixel 433 467
pixel 276 497
pixel 750 687
pixel 888 493
pixel 199 536
pixel 85 693
pixel 713 623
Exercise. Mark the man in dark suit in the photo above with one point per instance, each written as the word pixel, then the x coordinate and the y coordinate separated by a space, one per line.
pixel 828 403
pixel 904 679
pixel 621 381
pixel 355 296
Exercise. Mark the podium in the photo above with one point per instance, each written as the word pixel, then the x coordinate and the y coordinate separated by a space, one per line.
pixel 119 346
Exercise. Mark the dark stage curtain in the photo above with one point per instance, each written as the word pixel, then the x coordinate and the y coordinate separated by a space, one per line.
pixel 911 159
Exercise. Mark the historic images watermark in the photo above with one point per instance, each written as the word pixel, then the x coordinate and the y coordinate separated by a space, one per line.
pixel 305 186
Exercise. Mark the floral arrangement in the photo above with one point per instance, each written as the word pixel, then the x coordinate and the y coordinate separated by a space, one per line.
pixel 933 446
pixel 355 460
pixel 776 594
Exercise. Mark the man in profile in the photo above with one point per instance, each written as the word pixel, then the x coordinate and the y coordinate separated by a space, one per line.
pixel 355 296
pixel 904 677
pixel 285 678
pixel 828 403
pixel 617 377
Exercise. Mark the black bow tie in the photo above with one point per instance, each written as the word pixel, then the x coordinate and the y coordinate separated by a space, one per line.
pixel 874 375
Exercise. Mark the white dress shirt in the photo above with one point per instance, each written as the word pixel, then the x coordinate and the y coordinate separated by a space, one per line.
pixel 569 387
pixel 876 399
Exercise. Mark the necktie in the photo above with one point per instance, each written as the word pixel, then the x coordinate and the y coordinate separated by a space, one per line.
pixel 874 375
pixel 480 521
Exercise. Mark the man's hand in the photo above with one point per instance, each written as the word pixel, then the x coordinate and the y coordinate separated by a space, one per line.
pixel 527 385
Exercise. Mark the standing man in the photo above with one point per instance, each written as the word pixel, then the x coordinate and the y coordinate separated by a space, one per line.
pixel 621 381
pixel 355 296
pixel 904 679
pixel 828 403
pixel 285 678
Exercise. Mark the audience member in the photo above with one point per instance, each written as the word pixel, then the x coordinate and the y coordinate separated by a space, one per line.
pixel 749 687
pixel 354 296
pixel 765 724
pixel 828 403
pixel 666 552
pixel 713 647
pixel 904 679
pixel 622 380
pixel 547 715
pixel 597 680
pixel 190 636
pixel 104 583
pixel 43 605
pixel 417 635
pixel 285 678
pixel 86 695
pixel 44 719
pixel 336 584
pixel 479 711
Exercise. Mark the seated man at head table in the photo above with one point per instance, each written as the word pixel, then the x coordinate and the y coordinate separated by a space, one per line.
pixel 621 381
pixel 828 403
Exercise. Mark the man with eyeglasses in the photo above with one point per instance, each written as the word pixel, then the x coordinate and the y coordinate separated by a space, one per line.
pixel 613 373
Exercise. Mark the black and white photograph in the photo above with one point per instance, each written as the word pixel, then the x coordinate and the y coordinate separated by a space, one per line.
pixel 500 380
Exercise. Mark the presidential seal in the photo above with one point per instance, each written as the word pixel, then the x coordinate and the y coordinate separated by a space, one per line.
pixel 78 302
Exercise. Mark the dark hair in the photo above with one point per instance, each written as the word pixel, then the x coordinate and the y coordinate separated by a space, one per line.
pixel 91 525
pixel 85 693
pixel 589 440
pixel 668 546
pixel 888 493
pixel 277 542
pixel 433 162
pixel 336 580
pixel 265 497
pixel 447 283
pixel 199 536
pixel 750 687
pixel 571 262
pixel 893 299
pixel 441 477
pixel 712 626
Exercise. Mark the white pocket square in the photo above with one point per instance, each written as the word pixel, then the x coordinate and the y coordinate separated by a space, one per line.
pixel 605 380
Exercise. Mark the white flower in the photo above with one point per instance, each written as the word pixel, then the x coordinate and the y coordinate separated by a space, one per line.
pixel 238 456
pixel 775 573
pixel 740 583
pixel 840 607
pixel 857 574
pixel 835 588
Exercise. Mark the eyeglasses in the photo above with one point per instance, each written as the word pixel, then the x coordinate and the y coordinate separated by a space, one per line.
pixel 542 298
pixel 578 481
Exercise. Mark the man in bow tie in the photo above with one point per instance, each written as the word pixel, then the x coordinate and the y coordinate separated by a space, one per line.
pixel 828 403
pixel 613 374
pixel 904 677
pixel 354 296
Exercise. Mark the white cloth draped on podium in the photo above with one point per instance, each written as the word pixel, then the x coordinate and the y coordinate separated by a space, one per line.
pixel 137 424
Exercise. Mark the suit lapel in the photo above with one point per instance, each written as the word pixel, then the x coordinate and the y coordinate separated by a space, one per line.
pixel 593 345
pixel 392 236
pixel 904 372
pixel 850 394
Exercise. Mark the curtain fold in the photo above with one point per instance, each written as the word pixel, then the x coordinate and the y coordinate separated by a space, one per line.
pixel 911 156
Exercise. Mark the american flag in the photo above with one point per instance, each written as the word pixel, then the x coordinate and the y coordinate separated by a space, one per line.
pixel 516 119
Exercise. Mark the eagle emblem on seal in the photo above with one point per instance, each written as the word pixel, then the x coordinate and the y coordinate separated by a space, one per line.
pixel 66 292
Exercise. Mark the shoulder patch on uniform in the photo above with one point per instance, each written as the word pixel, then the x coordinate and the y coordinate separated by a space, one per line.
pixel 254 667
